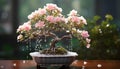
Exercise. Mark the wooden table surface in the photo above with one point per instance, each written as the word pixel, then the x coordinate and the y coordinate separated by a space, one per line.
pixel 77 64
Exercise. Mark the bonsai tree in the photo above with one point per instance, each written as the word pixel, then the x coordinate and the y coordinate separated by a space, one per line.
pixel 48 21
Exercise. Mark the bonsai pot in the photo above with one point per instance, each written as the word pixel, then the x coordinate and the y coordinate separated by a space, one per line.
pixel 46 59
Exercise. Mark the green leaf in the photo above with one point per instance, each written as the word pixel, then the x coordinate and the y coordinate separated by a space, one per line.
pixel 109 17
pixel 96 18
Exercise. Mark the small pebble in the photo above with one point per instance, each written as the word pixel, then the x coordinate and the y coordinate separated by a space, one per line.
pixel 85 62
pixel 23 61
pixel 14 64
pixel 99 65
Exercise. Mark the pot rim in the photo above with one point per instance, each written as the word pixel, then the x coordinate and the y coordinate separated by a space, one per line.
pixel 69 54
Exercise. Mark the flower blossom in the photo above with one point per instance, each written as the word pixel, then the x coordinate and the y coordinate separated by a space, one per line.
pixel 85 34
pixel 88 46
pixel 79 31
pixel 50 19
pixel 53 19
pixel 59 9
pixel 40 24
pixel 75 19
pixel 83 20
pixel 20 28
pixel 73 13
pixel 41 11
pixel 51 6
pixel 88 40
pixel 19 37
pixel 58 19
pixel 33 14
pixel 25 27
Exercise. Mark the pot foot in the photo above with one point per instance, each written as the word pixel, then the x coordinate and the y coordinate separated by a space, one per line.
pixel 39 67
pixel 65 67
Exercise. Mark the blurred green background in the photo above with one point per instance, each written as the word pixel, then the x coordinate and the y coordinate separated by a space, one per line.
pixel 104 31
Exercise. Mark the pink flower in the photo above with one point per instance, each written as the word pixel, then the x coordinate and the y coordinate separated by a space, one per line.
pixel 51 6
pixel 88 40
pixel 33 14
pixel 75 19
pixel 40 24
pixel 26 27
pixel 19 37
pixel 41 11
pixel 83 20
pixel 59 9
pixel 88 46
pixel 85 34
pixel 53 19
pixel 50 19
pixel 30 16
pixel 73 13
pixel 20 28
pixel 58 19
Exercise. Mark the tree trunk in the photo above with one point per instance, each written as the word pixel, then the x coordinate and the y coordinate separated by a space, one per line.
pixel 55 40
